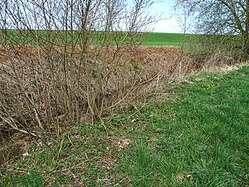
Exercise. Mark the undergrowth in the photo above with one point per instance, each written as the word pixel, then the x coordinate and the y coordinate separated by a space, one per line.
pixel 196 136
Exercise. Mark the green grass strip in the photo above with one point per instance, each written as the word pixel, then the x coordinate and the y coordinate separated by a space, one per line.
pixel 200 138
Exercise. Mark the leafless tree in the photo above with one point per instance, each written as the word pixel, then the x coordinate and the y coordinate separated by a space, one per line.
pixel 221 18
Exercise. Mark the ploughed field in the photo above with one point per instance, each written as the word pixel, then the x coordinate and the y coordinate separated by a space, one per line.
pixel 156 47
pixel 141 54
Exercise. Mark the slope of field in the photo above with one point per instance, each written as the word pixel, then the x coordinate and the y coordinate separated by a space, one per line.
pixel 168 39
pixel 96 38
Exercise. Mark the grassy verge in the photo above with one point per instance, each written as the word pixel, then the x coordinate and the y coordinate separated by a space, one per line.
pixel 196 136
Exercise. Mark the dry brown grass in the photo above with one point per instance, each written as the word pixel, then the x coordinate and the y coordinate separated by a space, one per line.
pixel 52 87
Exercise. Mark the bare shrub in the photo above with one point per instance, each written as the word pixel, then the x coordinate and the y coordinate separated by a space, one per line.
pixel 36 93
pixel 52 76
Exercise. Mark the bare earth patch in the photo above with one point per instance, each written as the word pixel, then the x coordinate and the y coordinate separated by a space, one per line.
pixel 142 54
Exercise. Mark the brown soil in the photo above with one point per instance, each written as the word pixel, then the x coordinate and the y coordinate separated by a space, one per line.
pixel 141 54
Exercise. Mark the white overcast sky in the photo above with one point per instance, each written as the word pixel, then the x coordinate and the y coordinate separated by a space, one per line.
pixel 169 22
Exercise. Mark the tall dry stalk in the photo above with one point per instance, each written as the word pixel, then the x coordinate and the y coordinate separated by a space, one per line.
pixel 64 61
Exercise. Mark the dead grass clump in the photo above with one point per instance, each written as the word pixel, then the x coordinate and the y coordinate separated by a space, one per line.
pixel 202 61
pixel 55 89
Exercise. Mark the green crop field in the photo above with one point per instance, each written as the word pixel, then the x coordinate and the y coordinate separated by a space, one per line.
pixel 168 39
pixel 58 37
pixel 96 38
